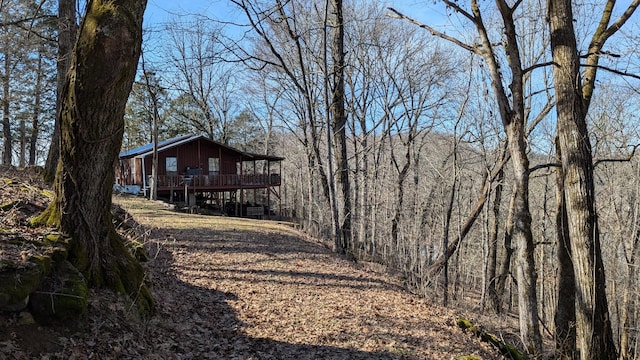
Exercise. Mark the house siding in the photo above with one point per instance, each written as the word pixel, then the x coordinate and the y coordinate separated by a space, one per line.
pixel 194 154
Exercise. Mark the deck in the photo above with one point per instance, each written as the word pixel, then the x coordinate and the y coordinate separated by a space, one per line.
pixel 217 182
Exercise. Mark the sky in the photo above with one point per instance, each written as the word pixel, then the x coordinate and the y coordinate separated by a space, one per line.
pixel 159 11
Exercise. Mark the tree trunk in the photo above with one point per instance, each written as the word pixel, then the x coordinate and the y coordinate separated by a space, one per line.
pixel 447 222
pixel 627 303
pixel 565 316
pixel 22 133
pixel 7 149
pixel 340 126
pixel 91 123
pixel 594 334
pixel 37 109
pixel 507 253
pixel 152 91
pixel 523 237
pixel 399 204
pixel 66 39
pixel 492 300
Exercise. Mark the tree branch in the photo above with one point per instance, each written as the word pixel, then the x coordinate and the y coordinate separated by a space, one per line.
pixel 544 166
pixel 536 66
pixel 434 32
pixel 459 10
pixel 626 159
pixel 617 72
pixel 621 20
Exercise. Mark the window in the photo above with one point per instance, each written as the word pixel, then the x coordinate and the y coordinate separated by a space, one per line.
pixel 214 166
pixel 171 165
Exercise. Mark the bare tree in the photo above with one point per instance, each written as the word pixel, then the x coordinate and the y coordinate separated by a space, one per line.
pixel 209 99
pixel 509 91
pixel 153 90
pixel 285 45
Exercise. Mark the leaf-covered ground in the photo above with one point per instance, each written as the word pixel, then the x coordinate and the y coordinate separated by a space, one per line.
pixel 231 288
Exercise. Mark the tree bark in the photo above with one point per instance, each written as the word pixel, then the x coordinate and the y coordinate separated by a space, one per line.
pixel 37 109
pixel 627 303
pixel 594 334
pixel 66 38
pixel 565 316
pixel 22 136
pixel 492 300
pixel 340 127
pixel 100 78
pixel 7 148
pixel 523 237
pixel 507 252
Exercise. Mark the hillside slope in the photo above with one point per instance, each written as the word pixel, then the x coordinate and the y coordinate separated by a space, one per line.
pixel 242 289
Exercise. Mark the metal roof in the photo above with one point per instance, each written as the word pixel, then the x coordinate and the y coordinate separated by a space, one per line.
pixel 146 150
pixel 135 152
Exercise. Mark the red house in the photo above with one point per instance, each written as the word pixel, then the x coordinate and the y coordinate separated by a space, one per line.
pixel 198 171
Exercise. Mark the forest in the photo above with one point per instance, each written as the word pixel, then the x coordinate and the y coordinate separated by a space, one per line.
pixel 481 150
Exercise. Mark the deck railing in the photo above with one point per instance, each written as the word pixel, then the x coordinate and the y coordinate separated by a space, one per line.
pixel 223 180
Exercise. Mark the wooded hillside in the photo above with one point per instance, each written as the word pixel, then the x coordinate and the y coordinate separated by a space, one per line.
pixel 473 147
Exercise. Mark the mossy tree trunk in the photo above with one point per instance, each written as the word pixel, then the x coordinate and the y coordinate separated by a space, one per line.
pixel 102 71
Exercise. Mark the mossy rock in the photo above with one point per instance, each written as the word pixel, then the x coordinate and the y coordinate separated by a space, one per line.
pixel 42 261
pixel 137 250
pixel 57 253
pixel 63 296
pixel 17 283
pixel 56 238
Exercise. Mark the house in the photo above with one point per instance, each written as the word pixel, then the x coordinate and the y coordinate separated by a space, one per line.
pixel 195 170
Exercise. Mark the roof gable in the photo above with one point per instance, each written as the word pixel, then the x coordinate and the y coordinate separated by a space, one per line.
pixel 146 150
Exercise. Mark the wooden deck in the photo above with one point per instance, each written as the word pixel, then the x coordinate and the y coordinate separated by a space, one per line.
pixel 217 182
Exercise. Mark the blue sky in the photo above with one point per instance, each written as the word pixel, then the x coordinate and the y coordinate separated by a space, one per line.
pixel 159 11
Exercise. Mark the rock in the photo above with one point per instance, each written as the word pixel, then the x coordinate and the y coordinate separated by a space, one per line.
pixel 63 296
pixel 17 283
pixel 26 318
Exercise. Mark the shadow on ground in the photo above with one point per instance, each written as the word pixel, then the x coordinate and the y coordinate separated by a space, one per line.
pixel 196 322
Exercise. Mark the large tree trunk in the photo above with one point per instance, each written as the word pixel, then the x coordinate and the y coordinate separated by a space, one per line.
pixel 594 335
pixel 340 126
pixel 102 71
pixel 565 316
pixel 66 39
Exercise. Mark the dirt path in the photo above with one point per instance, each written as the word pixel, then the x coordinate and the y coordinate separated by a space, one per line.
pixel 248 289
pixel 230 288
